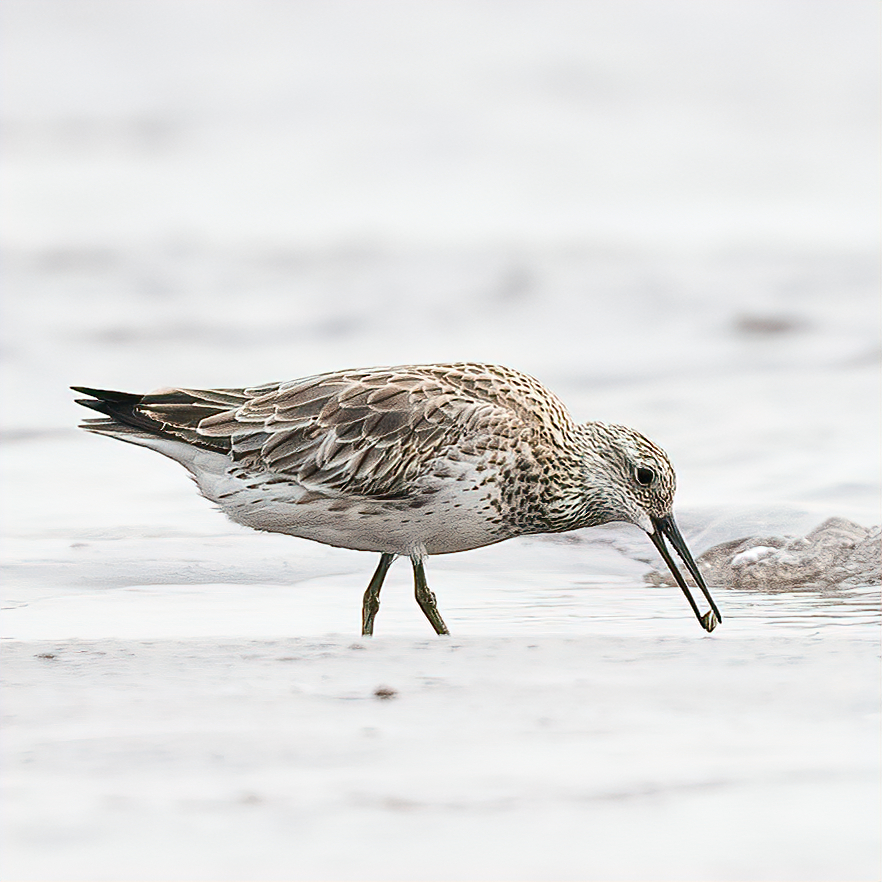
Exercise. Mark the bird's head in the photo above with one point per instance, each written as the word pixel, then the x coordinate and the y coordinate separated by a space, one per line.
pixel 628 478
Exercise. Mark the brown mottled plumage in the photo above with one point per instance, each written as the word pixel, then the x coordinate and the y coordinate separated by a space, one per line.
pixel 415 460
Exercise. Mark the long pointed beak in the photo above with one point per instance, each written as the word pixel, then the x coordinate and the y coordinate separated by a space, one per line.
pixel 665 526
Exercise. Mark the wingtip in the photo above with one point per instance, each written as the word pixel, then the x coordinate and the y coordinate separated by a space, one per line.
pixel 107 395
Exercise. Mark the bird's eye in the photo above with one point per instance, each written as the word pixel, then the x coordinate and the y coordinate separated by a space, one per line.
pixel 644 475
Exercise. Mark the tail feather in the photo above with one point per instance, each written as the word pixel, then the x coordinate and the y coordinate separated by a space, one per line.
pixel 171 414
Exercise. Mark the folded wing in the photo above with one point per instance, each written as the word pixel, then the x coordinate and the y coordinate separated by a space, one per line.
pixel 368 432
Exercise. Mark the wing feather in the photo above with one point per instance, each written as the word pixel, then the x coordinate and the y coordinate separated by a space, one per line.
pixel 368 433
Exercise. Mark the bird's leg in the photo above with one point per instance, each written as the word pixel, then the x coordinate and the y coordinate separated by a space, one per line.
pixel 372 596
pixel 425 598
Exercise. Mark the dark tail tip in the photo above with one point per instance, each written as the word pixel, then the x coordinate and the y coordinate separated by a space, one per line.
pixel 108 395
pixel 148 413
pixel 119 406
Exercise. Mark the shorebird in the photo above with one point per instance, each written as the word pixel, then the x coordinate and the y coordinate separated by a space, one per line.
pixel 412 460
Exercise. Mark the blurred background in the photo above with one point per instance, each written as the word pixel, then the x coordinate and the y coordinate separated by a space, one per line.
pixel 668 212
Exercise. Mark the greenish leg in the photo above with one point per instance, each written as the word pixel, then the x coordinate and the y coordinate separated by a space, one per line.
pixel 425 598
pixel 372 596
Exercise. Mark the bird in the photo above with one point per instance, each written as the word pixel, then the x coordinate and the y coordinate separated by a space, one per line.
pixel 412 460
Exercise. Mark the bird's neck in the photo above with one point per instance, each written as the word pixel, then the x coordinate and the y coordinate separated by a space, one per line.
pixel 553 497
pixel 582 497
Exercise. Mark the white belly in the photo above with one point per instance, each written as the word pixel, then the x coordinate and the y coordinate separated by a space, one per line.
pixel 456 516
